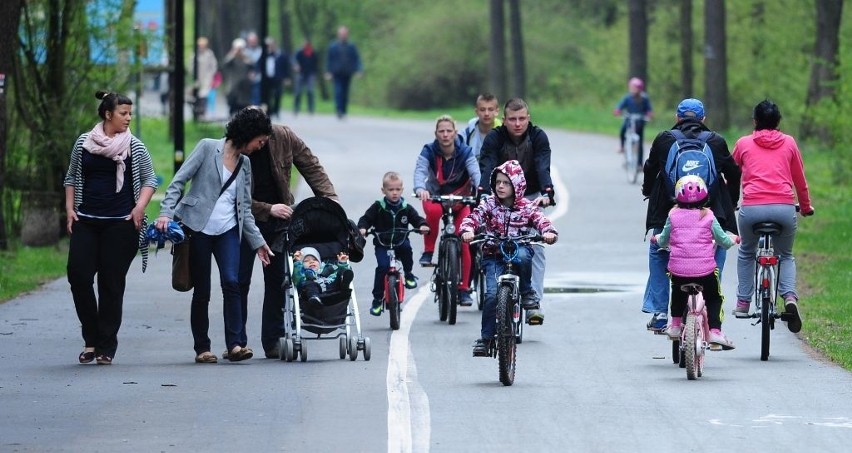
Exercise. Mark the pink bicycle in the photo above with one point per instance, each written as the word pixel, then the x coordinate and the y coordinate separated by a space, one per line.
pixel 688 351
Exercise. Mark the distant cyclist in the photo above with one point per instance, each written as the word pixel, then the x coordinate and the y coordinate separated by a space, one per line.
pixel 635 101
pixel 773 180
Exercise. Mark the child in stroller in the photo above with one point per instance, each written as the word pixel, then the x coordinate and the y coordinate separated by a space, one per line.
pixel 313 276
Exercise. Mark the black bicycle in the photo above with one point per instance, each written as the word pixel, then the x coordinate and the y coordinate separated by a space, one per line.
pixel 447 274
pixel 510 310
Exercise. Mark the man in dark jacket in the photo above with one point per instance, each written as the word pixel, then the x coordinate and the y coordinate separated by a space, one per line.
pixel 342 62
pixel 724 195
pixel 271 206
pixel 518 139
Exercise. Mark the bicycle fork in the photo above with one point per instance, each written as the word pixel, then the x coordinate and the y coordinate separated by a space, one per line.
pixel 514 282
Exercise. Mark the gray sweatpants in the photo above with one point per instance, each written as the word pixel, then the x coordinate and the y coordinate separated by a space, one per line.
pixel 783 214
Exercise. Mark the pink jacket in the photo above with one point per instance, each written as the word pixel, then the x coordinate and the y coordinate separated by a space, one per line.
pixel 772 168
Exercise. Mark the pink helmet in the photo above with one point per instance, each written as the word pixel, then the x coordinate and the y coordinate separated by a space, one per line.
pixel 690 189
pixel 636 82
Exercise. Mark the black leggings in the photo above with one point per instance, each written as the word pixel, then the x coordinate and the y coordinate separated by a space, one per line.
pixel 712 297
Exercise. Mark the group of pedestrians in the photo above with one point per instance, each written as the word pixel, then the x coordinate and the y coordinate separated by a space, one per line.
pixel 767 164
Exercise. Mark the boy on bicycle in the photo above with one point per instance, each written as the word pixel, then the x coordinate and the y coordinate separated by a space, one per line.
pixel 386 215
pixel 506 213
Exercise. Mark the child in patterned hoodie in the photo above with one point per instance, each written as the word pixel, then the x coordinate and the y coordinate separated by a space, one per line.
pixel 692 233
pixel 506 213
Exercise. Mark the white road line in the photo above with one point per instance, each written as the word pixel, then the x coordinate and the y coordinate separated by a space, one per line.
pixel 402 386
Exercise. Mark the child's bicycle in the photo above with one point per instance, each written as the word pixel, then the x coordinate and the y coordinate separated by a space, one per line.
pixel 448 272
pixel 689 349
pixel 632 146
pixel 510 311
pixel 394 281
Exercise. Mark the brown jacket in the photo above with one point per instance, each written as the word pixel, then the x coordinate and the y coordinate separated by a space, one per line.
pixel 285 150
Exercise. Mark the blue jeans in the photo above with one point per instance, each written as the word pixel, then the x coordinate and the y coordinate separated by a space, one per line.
pixel 226 249
pixel 403 254
pixel 784 214
pixel 341 93
pixel 494 267
pixel 272 315
pixel 656 299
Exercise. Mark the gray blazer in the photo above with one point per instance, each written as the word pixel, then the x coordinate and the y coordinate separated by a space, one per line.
pixel 203 169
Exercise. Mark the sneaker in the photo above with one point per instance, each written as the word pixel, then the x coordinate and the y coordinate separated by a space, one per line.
pixel 535 317
pixel 658 323
pixel 410 281
pixel 530 301
pixel 481 347
pixel 464 298
pixel 742 308
pixel 376 309
pixel 674 332
pixel 791 309
pixel 718 338
pixel 426 259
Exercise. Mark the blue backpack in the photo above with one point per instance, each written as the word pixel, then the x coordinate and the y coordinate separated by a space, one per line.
pixel 690 156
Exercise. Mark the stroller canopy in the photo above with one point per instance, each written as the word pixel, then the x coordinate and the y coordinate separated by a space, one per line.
pixel 322 223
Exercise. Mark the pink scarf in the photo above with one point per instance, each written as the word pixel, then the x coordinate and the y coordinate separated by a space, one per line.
pixel 116 148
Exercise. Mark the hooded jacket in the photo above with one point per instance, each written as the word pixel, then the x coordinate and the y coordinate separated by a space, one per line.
pixel 492 216
pixel 386 218
pixel 457 175
pixel 723 194
pixel 532 152
pixel 772 169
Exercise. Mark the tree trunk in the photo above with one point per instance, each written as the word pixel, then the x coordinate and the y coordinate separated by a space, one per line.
pixel 519 71
pixel 824 69
pixel 638 45
pixel 10 14
pixel 286 27
pixel 686 42
pixel 715 64
pixel 497 51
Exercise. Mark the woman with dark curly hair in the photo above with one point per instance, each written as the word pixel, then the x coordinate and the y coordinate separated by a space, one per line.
pixel 217 211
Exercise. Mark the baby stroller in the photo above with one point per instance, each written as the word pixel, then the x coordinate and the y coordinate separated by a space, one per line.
pixel 321 223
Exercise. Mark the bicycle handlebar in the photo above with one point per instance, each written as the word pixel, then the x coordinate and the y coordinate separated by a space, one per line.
pixel 529 238
pixel 404 231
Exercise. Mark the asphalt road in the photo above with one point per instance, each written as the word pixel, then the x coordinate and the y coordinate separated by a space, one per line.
pixel 590 379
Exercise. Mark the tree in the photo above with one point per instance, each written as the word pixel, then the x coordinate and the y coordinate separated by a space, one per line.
pixel 686 43
pixel 497 51
pixel 638 45
pixel 824 74
pixel 519 67
pixel 10 13
pixel 716 63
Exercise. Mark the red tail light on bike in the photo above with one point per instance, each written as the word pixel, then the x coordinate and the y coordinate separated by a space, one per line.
pixel 768 260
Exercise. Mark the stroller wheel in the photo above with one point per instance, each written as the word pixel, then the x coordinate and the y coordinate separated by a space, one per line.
pixel 282 344
pixel 343 347
pixel 303 351
pixel 353 349
pixel 289 353
pixel 367 348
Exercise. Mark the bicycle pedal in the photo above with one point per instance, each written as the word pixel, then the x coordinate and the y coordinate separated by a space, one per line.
pixel 714 347
pixel 741 315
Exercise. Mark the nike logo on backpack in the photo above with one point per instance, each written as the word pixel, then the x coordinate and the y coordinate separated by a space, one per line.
pixel 690 166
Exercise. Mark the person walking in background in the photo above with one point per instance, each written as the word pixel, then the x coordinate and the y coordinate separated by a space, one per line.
pixel 217 211
pixel 305 67
pixel 271 201
pixel 773 182
pixel 253 52
pixel 486 109
pixel 109 182
pixel 276 72
pixel 342 62
pixel 206 68
pixel 240 72
pixel 518 139
pixel 723 195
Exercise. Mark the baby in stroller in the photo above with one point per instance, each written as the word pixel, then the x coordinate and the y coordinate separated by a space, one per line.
pixel 313 277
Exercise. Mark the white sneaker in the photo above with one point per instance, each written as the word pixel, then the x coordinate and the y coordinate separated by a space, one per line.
pixel 674 332
pixel 718 338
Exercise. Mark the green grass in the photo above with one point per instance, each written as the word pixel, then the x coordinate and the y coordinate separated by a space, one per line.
pixel 822 249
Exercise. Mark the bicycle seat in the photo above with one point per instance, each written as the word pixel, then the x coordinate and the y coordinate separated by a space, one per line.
pixel 770 228
pixel 692 288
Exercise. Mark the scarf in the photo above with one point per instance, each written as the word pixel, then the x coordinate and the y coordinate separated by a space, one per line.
pixel 308 50
pixel 116 148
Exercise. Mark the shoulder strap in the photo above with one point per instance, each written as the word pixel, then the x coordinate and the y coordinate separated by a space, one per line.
pixel 677 134
pixel 233 176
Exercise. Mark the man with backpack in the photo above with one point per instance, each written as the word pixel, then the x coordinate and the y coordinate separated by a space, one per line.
pixel 675 153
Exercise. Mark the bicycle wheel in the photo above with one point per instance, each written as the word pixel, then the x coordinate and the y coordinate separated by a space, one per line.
pixel 690 347
pixel 392 301
pixel 765 316
pixel 453 273
pixel 506 346
pixel 441 295
pixel 631 156
pixel 676 351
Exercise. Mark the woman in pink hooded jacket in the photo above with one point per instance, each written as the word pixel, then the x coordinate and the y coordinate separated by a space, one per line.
pixel 773 181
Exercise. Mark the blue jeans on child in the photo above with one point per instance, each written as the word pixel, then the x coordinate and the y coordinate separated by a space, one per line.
pixel 494 267
pixel 403 254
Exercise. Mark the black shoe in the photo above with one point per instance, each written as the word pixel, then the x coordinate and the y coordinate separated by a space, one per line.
pixel 376 309
pixel 794 319
pixel 426 259
pixel 465 300
pixel 530 301
pixel 481 347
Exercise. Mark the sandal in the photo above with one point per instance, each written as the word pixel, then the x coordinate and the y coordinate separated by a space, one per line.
pixel 238 354
pixel 206 357
pixel 87 356
pixel 104 359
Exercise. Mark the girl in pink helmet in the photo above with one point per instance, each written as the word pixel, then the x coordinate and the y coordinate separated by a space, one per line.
pixel 635 101
pixel 692 234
